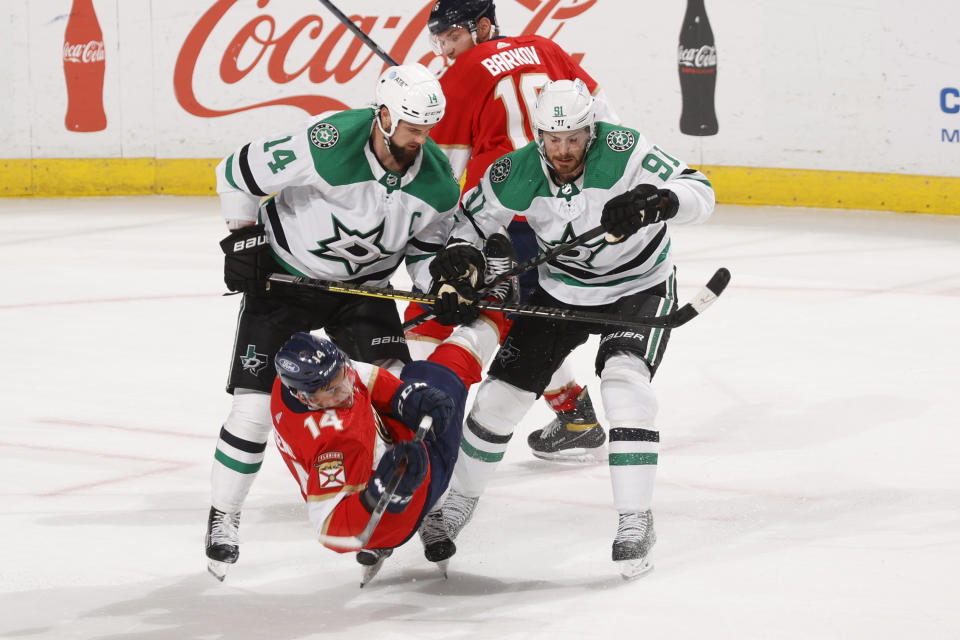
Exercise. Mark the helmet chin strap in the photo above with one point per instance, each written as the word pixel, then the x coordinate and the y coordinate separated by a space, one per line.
pixel 386 135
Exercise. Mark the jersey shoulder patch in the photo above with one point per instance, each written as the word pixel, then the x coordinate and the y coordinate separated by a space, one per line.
pixel 517 178
pixel 336 144
pixel 610 155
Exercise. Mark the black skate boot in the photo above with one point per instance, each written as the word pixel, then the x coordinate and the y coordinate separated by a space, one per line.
pixel 500 257
pixel 573 436
pixel 631 547
pixel 222 542
pixel 441 526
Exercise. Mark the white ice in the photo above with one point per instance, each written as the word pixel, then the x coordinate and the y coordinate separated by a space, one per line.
pixel 808 487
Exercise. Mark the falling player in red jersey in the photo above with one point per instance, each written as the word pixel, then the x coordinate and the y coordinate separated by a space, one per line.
pixel 343 426
pixel 491 88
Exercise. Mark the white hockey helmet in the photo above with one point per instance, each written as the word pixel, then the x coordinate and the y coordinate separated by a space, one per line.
pixel 410 92
pixel 564 105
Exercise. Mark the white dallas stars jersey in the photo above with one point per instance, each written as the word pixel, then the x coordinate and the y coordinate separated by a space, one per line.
pixel 337 213
pixel 596 273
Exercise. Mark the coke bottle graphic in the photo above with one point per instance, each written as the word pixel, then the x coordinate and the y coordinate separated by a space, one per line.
pixel 697 58
pixel 83 67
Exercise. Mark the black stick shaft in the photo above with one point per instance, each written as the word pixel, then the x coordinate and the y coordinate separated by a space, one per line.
pixel 349 24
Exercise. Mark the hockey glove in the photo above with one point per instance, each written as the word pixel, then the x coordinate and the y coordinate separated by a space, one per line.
pixel 451 310
pixel 416 461
pixel 458 260
pixel 414 400
pixel 247 261
pixel 627 213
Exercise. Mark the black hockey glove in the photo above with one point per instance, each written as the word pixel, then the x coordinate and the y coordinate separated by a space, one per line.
pixel 627 213
pixel 451 310
pixel 414 400
pixel 247 261
pixel 459 259
pixel 416 457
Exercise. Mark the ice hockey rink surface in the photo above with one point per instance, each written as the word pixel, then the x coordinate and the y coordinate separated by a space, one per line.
pixel 808 486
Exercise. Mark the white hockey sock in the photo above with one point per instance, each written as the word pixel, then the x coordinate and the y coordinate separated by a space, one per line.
pixel 631 407
pixel 240 450
pixel 562 378
pixel 499 407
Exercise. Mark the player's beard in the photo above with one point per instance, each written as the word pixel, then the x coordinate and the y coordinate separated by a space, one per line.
pixel 572 165
pixel 403 155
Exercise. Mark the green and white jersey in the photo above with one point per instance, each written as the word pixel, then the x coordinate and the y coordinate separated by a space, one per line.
pixel 597 273
pixel 337 213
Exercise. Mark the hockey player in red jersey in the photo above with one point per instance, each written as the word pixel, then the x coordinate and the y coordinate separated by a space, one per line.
pixel 491 88
pixel 342 428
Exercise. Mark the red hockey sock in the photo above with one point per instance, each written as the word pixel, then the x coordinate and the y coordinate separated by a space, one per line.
pixel 564 399
pixel 462 362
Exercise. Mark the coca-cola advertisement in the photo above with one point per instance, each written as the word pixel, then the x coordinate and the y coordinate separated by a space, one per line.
pixel 697 62
pixel 174 84
pixel 84 63
pixel 310 59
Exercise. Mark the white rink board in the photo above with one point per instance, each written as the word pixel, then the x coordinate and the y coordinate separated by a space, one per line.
pixel 812 85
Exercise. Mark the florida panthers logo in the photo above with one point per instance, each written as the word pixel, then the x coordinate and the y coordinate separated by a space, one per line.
pixel 500 170
pixel 620 140
pixel 324 135
pixel 329 466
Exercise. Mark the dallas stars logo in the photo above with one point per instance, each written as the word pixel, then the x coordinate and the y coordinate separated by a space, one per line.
pixel 620 140
pixel 584 254
pixel 253 362
pixel 500 170
pixel 354 249
pixel 324 135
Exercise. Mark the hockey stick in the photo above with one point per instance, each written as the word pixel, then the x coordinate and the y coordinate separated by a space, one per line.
pixel 361 539
pixel 704 298
pixel 533 262
pixel 364 38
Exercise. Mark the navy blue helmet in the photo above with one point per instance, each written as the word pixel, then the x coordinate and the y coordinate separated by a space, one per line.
pixel 307 363
pixel 447 14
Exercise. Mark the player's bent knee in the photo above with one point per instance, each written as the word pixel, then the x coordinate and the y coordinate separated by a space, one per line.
pixel 628 396
pixel 500 406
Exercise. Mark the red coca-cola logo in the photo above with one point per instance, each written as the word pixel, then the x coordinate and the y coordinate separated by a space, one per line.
pixel 705 56
pixel 272 42
pixel 90 52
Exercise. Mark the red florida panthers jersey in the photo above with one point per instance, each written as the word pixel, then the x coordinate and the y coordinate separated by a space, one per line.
pixel 491 90
pixel 333 453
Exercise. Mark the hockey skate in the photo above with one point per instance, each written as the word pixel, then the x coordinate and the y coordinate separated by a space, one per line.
pixel 222 542
pixel 631 547
pixel 441 526
pixel 500 257
pixel 372 561
pixel 573 436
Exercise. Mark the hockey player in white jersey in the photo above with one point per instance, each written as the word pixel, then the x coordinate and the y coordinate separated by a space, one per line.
pixel 578 174
pixel 356 194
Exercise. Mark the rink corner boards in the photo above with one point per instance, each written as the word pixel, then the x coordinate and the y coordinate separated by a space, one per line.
pixel 905 193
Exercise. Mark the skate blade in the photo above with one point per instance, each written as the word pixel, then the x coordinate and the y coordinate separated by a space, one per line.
pixel 632 569
pixel 217 569
pixel 574 456
pixel 442 567
pixel 368 573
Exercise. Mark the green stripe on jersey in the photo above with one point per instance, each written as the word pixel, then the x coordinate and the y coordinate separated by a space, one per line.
pixel 229 173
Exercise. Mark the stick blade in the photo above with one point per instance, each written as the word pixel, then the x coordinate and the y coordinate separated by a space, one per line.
pixel 342 542
pixel 719 281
